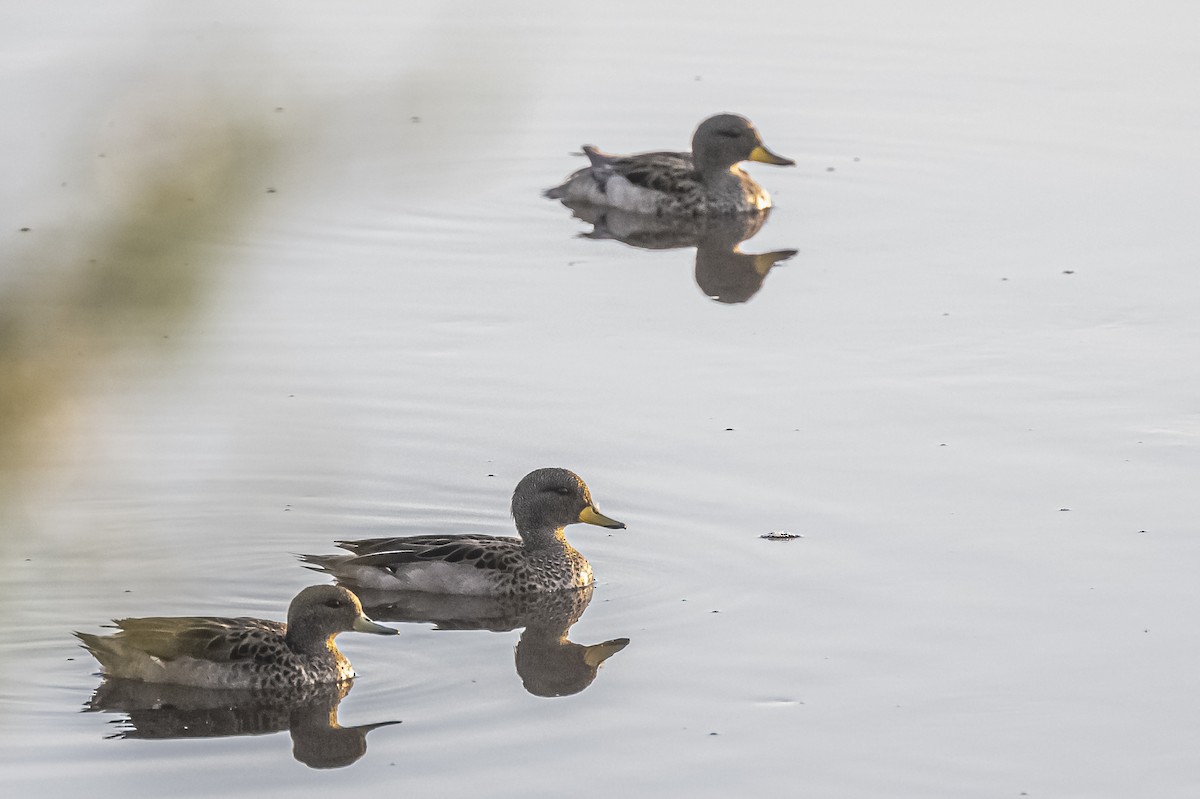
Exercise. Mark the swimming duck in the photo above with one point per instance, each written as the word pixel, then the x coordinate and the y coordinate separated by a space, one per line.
pixel 212 652
pixel 544 502
pixel 705 181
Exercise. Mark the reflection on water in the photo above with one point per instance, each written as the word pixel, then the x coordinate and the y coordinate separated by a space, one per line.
pixel 723 271
pixel 548 663
pixel 163 712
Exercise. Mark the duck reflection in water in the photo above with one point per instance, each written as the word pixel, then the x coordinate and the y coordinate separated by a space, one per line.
pixel 162 711
pixel 723 272
pixel 547 662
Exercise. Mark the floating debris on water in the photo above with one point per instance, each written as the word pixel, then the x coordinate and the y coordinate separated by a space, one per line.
pixel 780 535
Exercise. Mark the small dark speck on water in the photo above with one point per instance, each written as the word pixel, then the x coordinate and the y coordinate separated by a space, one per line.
pixel 941 445
pixel 491 475
pixel 830 169
pixel 278 108
pixel 713 733
pixel 714 611
pixel 728 429
pixel 1068 271
pixel 415 120
pixel 1141 531
pixel 270 191
pixel 25 230
pixel 129 590
pixel 1061 510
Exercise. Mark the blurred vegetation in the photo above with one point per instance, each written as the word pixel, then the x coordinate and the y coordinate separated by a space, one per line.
pixel 167 174
pixel 129 259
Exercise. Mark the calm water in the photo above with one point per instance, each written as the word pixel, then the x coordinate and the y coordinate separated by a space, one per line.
pixel 288 278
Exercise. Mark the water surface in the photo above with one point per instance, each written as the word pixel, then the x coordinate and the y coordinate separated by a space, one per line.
pixel 288 278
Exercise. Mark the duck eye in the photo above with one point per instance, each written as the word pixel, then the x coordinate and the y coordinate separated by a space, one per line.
pixel 730 134
pixel 562 491
pixel 334 603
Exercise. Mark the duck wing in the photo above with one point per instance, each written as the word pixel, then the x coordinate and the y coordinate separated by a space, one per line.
pixel 666 172
pixel 470 550
pixel 659 171
pixel 202 637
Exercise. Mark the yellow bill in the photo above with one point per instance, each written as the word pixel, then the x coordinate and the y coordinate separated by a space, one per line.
pixel 762 154
pixel 590 515
pixel 364 625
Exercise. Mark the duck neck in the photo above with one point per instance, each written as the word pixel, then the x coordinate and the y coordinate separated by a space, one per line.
pixel 544 538
pixel 717 174
pixel 310 644
pixel 711 162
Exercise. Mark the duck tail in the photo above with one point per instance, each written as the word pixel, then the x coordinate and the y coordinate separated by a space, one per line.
pixel 320 563
pixel 598 158
pixel 597 173
pixel 103 648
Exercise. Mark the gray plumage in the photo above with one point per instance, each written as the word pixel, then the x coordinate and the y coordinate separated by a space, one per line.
pixel 702 182
pixel 543 504
pixel 242 652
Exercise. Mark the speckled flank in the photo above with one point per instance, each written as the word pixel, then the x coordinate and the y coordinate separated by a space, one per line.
pixel 544 502
pixel 555 570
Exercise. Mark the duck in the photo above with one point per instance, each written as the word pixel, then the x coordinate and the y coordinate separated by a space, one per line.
pixel 544 502
pixel 706 181
pixel 238 653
